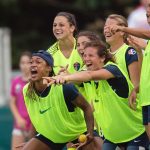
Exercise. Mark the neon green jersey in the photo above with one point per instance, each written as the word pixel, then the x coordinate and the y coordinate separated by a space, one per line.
pixel 51 118
pixel 120 58
pixel 74 61
pixel 87 89
pixel 119 123
pixel 144 80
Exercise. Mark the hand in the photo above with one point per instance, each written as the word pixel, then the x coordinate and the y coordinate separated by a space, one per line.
pixel 136 43
pixel 21 123
pixel 116 28
pixel 63 70
pixel 54 80
pixel 48 81
pixel 80 145
pixel 132 99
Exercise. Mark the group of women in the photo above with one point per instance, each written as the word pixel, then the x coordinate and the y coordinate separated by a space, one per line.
pixel 81 86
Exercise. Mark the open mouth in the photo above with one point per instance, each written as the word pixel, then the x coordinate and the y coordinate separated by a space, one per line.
pixel 89 65
pixel 34 72
pixel 107 35
pixel 58 32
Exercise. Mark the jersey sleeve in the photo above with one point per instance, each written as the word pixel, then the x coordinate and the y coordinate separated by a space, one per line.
pixel 131 56
pixel 114 70
pixel 70 92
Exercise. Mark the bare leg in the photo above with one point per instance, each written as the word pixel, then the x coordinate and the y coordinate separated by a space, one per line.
pixel 16 140
pixel 147 128
pixel 35 144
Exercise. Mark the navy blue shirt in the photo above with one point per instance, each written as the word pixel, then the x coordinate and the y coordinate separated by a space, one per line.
pixel 119 83
pixel 130 56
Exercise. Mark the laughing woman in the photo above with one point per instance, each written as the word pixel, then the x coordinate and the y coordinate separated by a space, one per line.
pixel 64 50
pixel 54 110
pixel 121 125
pixel 125 55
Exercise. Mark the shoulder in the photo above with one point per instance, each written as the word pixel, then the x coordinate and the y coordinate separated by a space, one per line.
pixel 131 51
pixel 16 79
pixel 69 87
pixel 114 69
pixel 53 49
pixel 25 88
pixel 70 91
pixel 131 55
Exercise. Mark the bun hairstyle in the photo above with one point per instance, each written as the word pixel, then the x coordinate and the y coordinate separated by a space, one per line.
pixel 101 50
pixel 122 21
pixel 71 19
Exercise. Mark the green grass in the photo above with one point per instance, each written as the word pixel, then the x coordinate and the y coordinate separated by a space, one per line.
pixel 6 122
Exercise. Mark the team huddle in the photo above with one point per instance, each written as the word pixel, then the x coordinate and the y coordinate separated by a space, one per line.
pixel 81 86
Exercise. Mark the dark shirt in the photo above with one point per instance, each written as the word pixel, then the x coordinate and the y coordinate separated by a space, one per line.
pixel 70 94
pixel 119 83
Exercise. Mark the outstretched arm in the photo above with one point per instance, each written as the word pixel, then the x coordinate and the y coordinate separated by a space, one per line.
pixel 138 32
pixel 83 76
pixel 141 33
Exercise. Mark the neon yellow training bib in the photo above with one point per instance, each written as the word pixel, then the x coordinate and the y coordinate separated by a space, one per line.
pixel 145 78
pixel 74 61
pixel 51 118
pixel 119 123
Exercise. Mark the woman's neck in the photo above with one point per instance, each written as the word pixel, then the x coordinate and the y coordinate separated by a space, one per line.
pixel 67 44
pixel 115 46
pixel 39 86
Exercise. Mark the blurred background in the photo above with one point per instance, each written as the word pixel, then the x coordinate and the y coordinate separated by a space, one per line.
pixel 27 25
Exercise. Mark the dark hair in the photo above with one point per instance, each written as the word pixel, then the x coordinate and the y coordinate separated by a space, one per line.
pixel 26 53
pixel 92 36
pixel 31 93
pixel 122 21
pixel 71 19
pixel 101 50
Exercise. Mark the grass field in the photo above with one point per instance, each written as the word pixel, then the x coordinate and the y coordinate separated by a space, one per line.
pixel 6 122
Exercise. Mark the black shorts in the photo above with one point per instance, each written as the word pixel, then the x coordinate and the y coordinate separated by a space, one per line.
pixel 57 146
pixel 146 114
pixel 141 140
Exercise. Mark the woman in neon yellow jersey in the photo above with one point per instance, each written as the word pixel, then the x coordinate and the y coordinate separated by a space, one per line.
pixel 87 89
pixel 121 125
pixel 64 50
pixel 125 55
pixel 144 87
pixel 54 110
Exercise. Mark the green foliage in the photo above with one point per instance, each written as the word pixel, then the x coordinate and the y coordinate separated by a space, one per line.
pixel 31 20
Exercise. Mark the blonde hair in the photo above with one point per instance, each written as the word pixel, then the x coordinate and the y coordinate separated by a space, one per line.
pixel 122 21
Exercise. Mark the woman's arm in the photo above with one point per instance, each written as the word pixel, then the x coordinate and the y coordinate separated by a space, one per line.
pixel 141 33
pixel 84 76
pixel 138 32
pixel 88 113
pixel 20 121
pixel 139 45
pixel 79 77
pixel 134 73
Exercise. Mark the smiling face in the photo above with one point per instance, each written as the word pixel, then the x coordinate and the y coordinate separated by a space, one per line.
pixel 92 60
pixel 110 37
pixel 39 68
pixel 81 42
pixel 62 28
